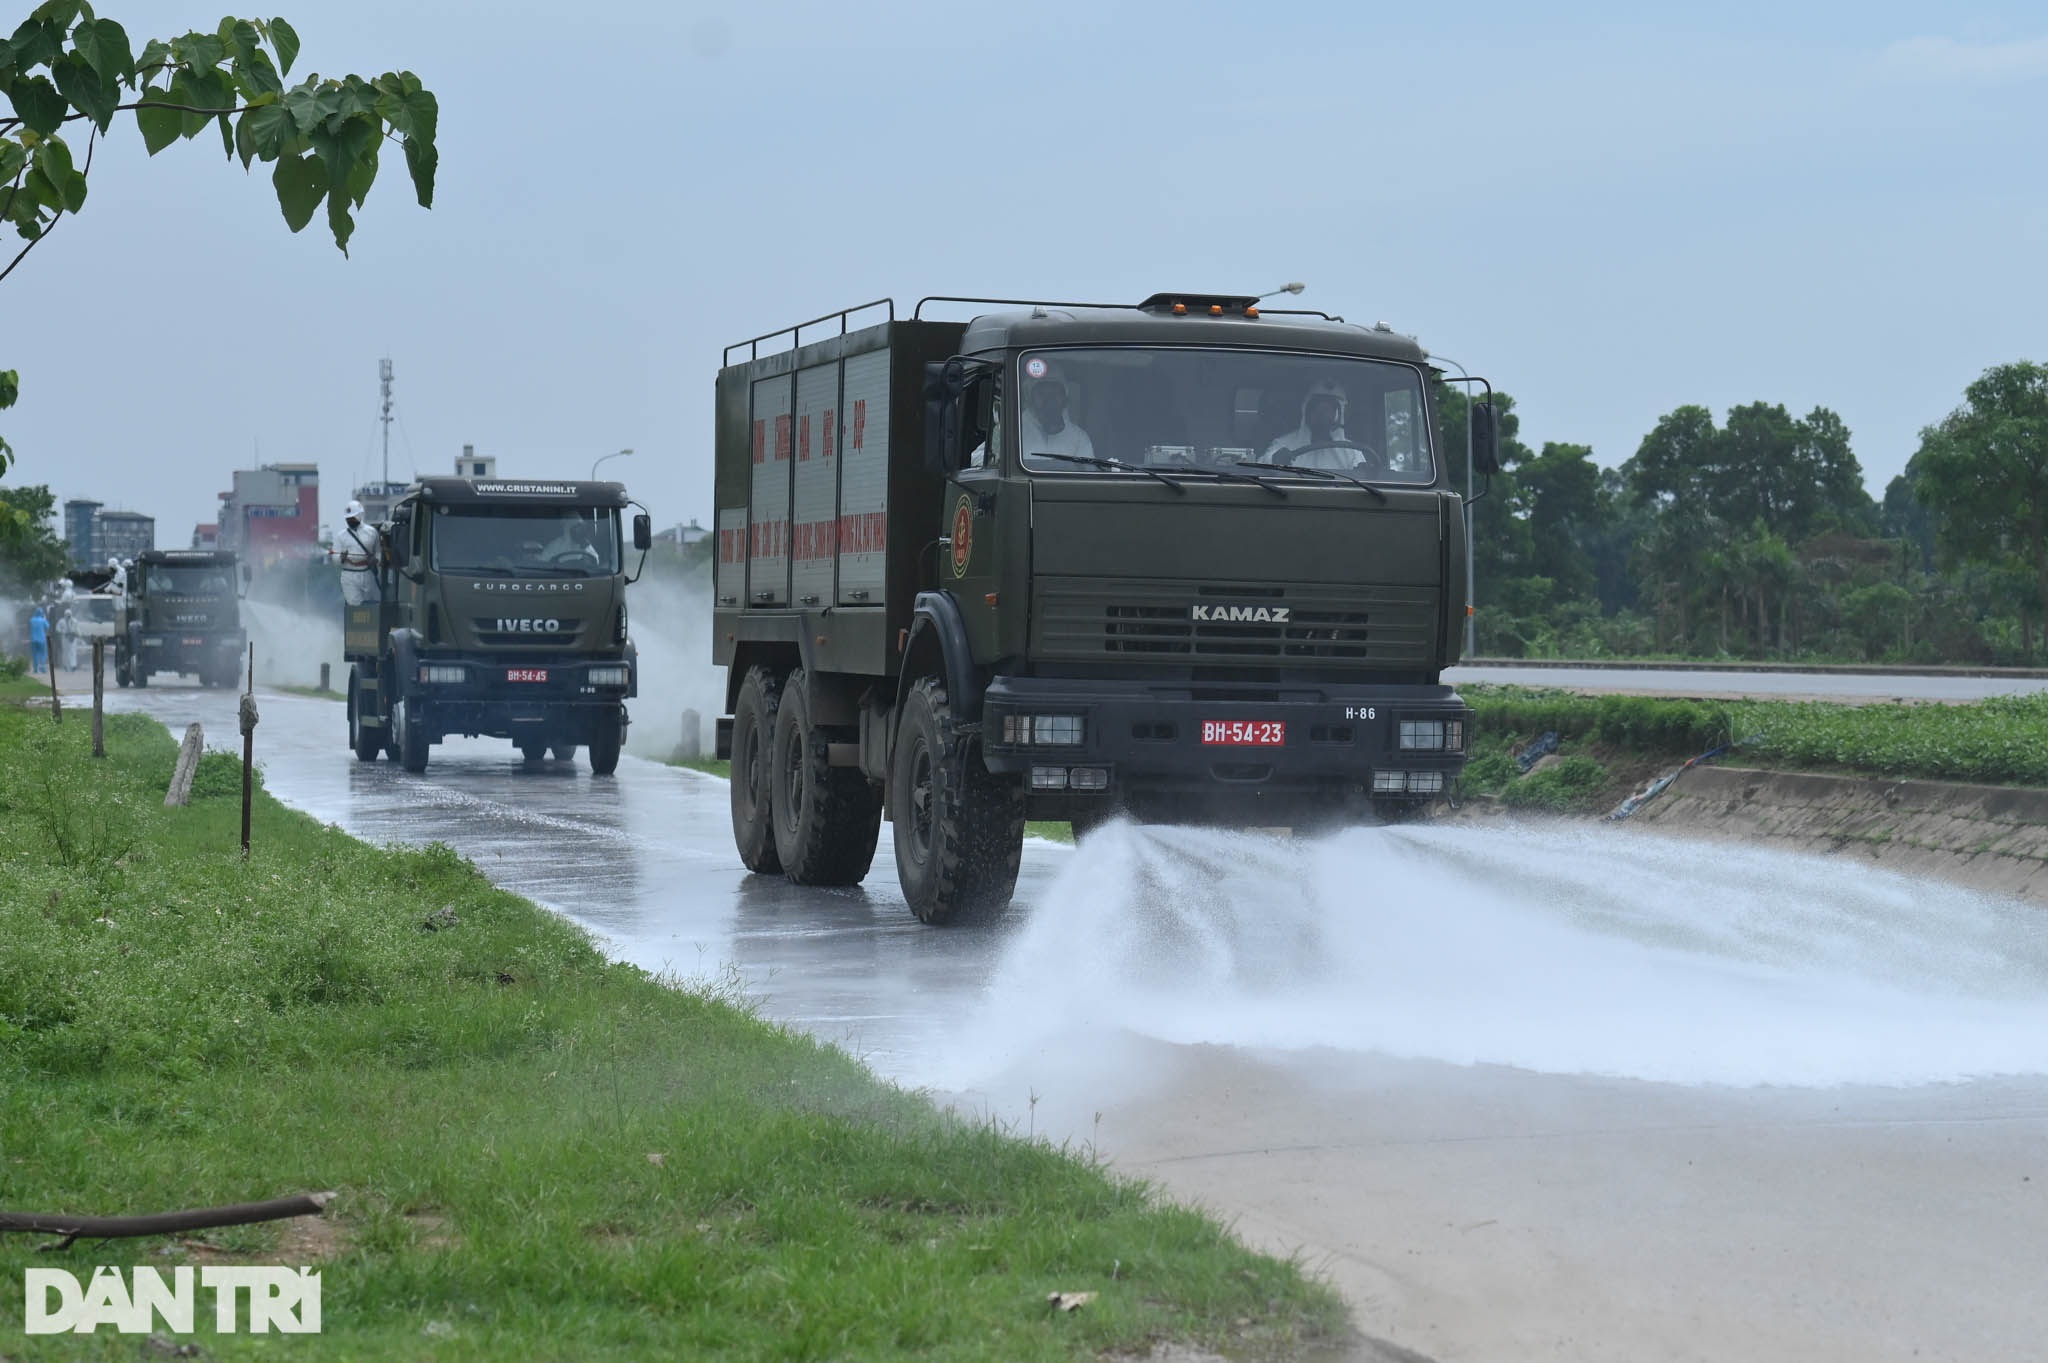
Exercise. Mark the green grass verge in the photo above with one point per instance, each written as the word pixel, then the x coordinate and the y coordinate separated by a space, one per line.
pixel 313 691
pixel 2002 741
pixel 541 1154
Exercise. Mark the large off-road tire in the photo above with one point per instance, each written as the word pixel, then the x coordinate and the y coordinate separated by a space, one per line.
pixel 366 743
pixel 959 827
pixel 1391 810
pixel 412 737
pixel 533 750
pixel 606 741
pixel 827 819
pixel 564 752
pixel 139 670
pixel 121 669
pixel 753 743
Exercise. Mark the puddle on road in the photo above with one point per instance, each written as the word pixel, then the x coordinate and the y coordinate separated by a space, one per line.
pixel 1559 951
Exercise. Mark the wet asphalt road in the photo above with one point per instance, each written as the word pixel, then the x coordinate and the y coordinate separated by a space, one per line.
pixel 1518 1093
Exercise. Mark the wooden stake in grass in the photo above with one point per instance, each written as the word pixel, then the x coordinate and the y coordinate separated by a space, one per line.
pixel 248 748
pixel 180 792
pixel 99 697
pixel 56 701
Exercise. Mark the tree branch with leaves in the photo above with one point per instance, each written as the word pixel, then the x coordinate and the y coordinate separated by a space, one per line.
pixel 66 70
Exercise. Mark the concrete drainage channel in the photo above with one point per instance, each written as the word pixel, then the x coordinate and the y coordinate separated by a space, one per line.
pixel 1988 838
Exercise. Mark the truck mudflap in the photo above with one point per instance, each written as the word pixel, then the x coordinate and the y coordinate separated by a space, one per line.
pixel 1223 751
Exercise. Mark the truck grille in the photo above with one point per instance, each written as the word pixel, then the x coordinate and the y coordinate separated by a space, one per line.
pixel 1334 626
pixel 567 636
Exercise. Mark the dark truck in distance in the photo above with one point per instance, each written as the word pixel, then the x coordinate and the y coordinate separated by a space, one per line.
pixel 181 613
pixel 503 614
pixel 1066 561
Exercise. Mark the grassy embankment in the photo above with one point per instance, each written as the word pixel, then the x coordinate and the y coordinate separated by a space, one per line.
pixel 540 1154
pixel 1607 743
pixel 313 692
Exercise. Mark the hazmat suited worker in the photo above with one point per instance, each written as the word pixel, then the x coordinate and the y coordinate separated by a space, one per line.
pixel 1319 442
pixel 1044 427
pixel 361 547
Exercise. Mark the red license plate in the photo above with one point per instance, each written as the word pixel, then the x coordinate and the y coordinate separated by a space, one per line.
pixel 526 674
pixel 1244 733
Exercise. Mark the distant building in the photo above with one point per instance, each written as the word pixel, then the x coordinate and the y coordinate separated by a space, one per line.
pixel 272 513
pixel 123 535
pixel 474 465
pixel 206 536
pixel 81 534
pixel 95 534
pixel 378 499
pixel 684 534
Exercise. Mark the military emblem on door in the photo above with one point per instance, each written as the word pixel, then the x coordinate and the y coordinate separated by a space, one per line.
pixel 963 534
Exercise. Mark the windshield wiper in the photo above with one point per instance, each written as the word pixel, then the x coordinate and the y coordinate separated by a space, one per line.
pixel 1227 477
pixel 1096 462
pixel 1319 473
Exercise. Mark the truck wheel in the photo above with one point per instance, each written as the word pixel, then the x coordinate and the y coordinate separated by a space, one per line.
pixel 533 752
pixel 605 742
pixel 1390 811
pixel 365 742
pixel 564 752
pixel 140 671
pixel 827 819
pixel 753 735
pixel 412 738
pixel 959 828
pixel 121 671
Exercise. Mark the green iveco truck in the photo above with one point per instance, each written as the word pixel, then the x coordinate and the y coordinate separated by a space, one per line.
pixel 181 613
pixel 1188 561
pixel 502 613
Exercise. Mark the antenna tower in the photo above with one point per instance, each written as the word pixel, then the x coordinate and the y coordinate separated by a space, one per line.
pixel 384 385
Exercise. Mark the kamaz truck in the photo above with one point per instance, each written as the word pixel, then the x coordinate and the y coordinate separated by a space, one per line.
pixel 502 613
pixel 1184 561
pixel 181 613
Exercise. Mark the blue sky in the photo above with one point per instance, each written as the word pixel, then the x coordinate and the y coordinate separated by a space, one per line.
pixel 1606 211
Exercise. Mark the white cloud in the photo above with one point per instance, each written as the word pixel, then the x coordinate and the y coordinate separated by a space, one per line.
pixel 1948 59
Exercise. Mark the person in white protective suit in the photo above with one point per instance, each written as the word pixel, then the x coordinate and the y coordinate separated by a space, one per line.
pixel 1316 442
pixel 360 545
pixel 1044 427
pixel 120 583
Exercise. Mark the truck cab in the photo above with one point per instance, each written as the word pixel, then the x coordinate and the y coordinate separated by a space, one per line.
pixel 181 612
pixel 501 613
pixel 1183 562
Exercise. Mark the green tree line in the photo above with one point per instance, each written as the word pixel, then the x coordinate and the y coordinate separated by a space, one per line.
pixel 1755 537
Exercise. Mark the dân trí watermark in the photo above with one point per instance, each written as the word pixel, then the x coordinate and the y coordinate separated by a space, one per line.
pixel 259 1298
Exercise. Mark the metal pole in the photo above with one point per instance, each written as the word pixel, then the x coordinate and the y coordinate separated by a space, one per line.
pixel 99 696
pixel 1469 597
pixel 384 377
pixel 601 458
pixel 248 718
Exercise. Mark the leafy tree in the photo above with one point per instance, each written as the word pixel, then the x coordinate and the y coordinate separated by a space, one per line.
pixel 1983 471
pixel 65 73
pixel 1562 488
pixel 34 555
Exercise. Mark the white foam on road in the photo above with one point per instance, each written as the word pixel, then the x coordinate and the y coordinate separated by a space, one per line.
pixel 1554 950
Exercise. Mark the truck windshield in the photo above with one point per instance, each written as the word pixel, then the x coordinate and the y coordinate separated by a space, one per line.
pixel 1214 409
pixel 542 542
pixel 208 580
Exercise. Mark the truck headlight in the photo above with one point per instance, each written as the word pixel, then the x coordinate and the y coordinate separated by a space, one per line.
pixel 610 675
pixel 1046 731
pixel 1432 735
pixel 443 674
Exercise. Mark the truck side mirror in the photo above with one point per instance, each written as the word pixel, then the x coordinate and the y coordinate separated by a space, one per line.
pixel 944 381
pixel 399 542
pixel 248 576
pixel 1485 440
pixel 643 531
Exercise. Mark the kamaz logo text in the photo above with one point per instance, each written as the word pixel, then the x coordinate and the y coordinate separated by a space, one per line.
pixel 1262 615
pixel 506 626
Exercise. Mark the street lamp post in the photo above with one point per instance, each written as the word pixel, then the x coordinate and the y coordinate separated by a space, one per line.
pixel 613 455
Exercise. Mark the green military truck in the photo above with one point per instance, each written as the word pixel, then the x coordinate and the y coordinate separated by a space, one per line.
pixel 502 614
pixel 181 613
pixel 1069 561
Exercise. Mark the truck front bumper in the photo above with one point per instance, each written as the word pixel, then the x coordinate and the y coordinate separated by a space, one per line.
pixel 556 699
pixel 1231 753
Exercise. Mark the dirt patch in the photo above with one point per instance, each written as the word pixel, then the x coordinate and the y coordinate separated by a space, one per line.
pixel 1990 838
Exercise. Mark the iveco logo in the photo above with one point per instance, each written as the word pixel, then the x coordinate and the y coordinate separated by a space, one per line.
pixel 526 586
pixel 528 626
pixel 1271 615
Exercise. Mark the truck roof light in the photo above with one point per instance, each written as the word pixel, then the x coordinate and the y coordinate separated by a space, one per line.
pixel 1215 309
pixel 1252 311
pixel 1180 309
